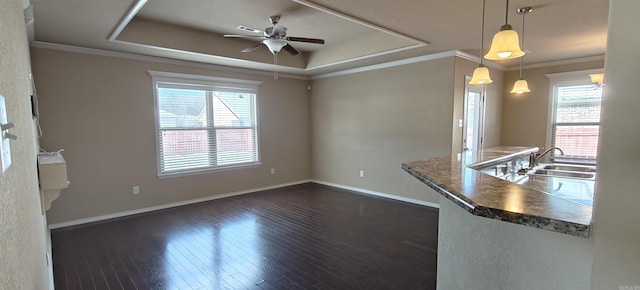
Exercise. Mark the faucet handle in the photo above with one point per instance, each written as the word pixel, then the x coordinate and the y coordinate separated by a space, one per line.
pixel 533 159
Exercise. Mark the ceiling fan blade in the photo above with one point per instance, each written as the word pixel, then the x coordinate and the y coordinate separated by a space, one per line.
pixel 243 36
pixel 249 29
pixel 291 50
pixel 252 48
pixel 304 39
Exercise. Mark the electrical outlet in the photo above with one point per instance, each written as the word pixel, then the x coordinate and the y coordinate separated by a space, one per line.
pixel 361 173
pixel 273 170
pixel 136 189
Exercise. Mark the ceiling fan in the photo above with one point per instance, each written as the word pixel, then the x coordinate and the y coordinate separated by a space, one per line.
pixel 275 38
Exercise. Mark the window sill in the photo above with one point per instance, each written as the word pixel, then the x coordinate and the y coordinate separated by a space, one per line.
pixel 208 170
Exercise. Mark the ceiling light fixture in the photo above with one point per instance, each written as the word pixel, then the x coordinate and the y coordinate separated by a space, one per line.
pixel 597 79
pixel 521 86
pixel 481 73
pixel 274 45
pixel 505 44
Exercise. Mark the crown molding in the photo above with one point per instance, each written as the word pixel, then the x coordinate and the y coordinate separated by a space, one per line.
pixel 558 62
pixel 311 69
pixel 476 59
pixel 157 59
pixel 359 21
pixel 428 57
pixel 571 75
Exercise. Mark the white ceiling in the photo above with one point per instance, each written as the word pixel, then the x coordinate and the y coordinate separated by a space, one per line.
pixel 357 32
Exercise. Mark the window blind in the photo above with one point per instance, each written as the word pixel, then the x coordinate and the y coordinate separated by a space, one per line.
pixel 576 122
pixel 205 127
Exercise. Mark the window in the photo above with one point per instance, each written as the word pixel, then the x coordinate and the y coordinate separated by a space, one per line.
pixel 204 123
pixel 575 120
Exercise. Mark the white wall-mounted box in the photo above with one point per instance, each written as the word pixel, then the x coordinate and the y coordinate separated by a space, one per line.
pixel 52 170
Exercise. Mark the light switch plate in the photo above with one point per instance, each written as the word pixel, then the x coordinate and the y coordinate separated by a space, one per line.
pixel 5 149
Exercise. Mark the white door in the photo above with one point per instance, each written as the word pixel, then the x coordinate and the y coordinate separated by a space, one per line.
pixel 473 119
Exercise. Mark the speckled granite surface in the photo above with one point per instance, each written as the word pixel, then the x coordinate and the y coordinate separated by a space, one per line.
pixel 483 195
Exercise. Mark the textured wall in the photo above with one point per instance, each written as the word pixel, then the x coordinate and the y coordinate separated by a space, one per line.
pixel 100 110
pixel 616 219
pixel 375 120
pixel 22 226
pixel 481 253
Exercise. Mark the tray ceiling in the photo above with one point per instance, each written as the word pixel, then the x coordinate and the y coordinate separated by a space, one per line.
pixel 357 33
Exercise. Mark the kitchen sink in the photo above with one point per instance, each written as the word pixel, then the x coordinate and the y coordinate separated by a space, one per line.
pixel 564 170
pixel 561 173
pixel 573 168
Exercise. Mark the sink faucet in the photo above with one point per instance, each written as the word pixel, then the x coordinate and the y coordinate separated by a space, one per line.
pixel 534 156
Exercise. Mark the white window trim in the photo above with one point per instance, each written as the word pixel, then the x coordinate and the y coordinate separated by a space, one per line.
pixel 209 82
pixel 564 78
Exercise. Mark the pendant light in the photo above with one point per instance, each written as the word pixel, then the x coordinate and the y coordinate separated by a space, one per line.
pixel 521 85
pixel 481 73
pixel 505 44
pixel 597 79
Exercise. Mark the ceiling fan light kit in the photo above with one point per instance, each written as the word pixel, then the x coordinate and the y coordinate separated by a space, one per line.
pixel 274 45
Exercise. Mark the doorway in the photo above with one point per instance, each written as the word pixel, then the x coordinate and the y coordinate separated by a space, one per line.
pixel 473 117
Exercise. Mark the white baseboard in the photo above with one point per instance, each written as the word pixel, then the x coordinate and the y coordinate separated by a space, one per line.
pixel 169 205
pixel 213 197
pixel 380 194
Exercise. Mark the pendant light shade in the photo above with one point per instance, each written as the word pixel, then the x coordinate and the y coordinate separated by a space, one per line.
pixel 481 76
pixel 481 73
pixel 521 86
pixel 505 44
pixel 597 79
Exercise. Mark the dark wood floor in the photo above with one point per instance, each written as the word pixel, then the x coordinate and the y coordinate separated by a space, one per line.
pixel 307 236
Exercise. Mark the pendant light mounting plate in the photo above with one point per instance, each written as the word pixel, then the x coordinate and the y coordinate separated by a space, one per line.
pixel 524 10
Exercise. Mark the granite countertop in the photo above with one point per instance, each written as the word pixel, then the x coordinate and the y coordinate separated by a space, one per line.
pixel 529 202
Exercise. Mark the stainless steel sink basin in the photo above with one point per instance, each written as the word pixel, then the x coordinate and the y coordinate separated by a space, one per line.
pixel 559 173
pixel 573 168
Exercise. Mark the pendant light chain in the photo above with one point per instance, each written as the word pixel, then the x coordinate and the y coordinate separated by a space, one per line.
pixel 506 14
pixel 275 66
pixel 522 44
pixel 482 33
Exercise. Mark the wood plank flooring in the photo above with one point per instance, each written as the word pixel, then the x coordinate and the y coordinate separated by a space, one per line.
pixel 306 236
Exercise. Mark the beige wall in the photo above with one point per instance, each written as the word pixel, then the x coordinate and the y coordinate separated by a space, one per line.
pixel 616 222
pixel 375 120
pixel 525 117
pixel 493 105
pixel 22 227
pixel 100 110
